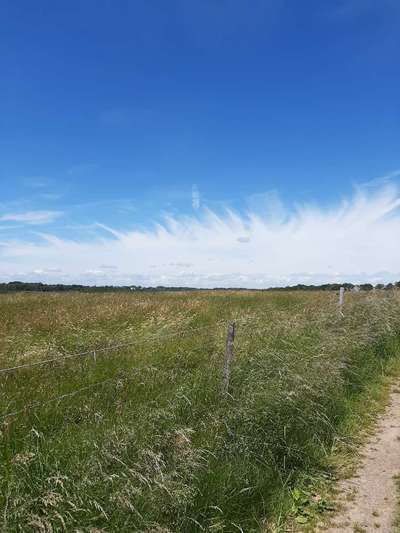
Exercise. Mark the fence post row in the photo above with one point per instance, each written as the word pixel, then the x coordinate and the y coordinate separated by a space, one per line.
pixel 228 356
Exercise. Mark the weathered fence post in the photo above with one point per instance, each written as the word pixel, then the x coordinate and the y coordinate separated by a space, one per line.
pixel 341 301
pixel 228 356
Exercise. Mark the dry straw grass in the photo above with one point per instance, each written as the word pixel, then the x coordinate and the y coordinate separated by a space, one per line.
pixel 160 449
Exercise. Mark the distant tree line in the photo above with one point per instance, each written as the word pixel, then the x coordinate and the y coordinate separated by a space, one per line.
pixel 20 286
pixel 336 287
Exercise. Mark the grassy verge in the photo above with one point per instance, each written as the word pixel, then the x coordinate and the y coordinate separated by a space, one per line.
pixel 159 448
pixel 313 501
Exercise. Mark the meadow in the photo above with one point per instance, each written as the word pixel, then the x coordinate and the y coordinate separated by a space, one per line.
pixel 151 443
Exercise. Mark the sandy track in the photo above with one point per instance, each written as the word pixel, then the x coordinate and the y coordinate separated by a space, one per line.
pixel 370 497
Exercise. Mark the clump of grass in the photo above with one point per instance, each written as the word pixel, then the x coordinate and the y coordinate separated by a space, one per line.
pixel 159 448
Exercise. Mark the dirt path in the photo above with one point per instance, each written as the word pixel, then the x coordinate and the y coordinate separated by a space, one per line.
pixel 370 498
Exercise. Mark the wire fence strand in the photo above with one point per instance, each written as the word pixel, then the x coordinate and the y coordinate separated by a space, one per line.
pixel 36 405
pixel 102 349
pixel 244 320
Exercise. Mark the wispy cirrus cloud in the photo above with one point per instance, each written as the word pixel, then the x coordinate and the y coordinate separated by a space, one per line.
pixel 381 180
pixel 355 240
pixel 32 217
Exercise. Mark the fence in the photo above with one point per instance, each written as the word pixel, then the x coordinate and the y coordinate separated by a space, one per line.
pixel 93 352
pixel 228 356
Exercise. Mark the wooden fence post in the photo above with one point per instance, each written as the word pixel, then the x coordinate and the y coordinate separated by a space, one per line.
pixel 228 356
pixel 341 301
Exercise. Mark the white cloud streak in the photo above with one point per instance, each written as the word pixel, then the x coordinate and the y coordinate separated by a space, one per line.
pixel 355 241
pixel 32 217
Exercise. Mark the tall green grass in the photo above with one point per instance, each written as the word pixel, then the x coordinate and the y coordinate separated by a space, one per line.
pixel 160 448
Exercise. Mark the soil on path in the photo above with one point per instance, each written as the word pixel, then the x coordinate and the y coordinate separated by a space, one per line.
pixel 370 497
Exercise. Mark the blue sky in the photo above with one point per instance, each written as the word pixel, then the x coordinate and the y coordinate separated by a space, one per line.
pixel 133 127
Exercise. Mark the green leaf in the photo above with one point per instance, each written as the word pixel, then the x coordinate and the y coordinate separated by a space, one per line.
pixel 296 494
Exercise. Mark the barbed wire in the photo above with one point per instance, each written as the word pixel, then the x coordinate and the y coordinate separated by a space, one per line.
pixel 117 376
pixel 29 407
pixel 126 374
pixel 100 349
pixel 245 320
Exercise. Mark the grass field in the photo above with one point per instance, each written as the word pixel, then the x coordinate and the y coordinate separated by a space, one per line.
pixel 159 447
